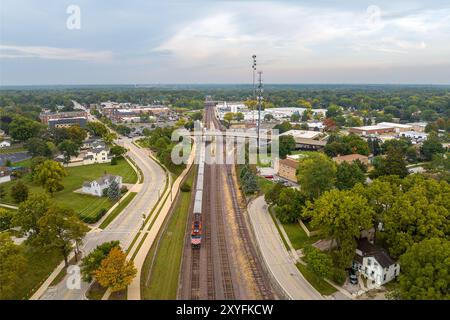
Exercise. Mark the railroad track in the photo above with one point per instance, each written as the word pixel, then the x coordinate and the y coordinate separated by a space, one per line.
pixel 250 252
pixel 210 279
pixel 195 275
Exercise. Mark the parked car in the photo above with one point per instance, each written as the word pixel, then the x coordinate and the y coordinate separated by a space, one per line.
pixel 353 277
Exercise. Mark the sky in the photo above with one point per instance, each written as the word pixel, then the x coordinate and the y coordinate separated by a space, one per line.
pixel 49 42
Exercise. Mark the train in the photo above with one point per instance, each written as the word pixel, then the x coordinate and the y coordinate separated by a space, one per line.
pixel 196 229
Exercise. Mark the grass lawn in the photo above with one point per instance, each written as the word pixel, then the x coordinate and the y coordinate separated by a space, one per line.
pixel 85 205
pixel 12 149
pixel 297 235
pixel 264 184
pixel 165 272
pixel 317 282
pixel 117 210
pixel 24 163
pixel 40 264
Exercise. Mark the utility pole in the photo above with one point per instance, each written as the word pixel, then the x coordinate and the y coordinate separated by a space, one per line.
pixel 260 100
pixel 254 88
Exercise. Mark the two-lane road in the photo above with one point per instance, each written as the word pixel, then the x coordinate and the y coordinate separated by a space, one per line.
pixel 127 224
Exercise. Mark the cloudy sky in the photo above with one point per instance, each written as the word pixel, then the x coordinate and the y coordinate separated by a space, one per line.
pixel 209 41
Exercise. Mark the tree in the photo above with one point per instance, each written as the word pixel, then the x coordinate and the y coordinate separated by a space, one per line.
pixel 431 146
pixel 12 265
pixel 2 192
pixel 118 151
pixel 49 175
pixel 318 262
pixel 289 205
pixel 425 273
pixel 349 174
pixel 22 128
pixel 40 147
pixel 341 215
pixel 393 164
pixel 115 271
pixel 333 111
pixel 69 149
pixel 93 260
pixel 29 213
pixel 6 217
pixel 283 127
pixel 113 191
pixel 19 192
pixel 97 129
pixel 228 117
pixel 419 211
pixel 295 117
pixel 316 174
pixel 239 116
pixel 60 228
pixel 268 117
pixel 197 116
pixel 286 145
pixel 273 194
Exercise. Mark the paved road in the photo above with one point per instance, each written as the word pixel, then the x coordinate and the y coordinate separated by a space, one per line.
pixel 276 256
pixel 125 226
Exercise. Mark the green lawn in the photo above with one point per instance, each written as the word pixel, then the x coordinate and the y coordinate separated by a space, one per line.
pixel 12 149
pixel 264 184
pixel 24 163
pixel 117 210
pixel 85 205
pixel 297 236
pixel 163 282
pixel 317 282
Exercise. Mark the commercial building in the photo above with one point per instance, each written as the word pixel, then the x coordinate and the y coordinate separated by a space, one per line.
pixel 306 140
pixel 287 169
pixel 47 116
pixel 67 122
pixel 349 158
pixel 380 128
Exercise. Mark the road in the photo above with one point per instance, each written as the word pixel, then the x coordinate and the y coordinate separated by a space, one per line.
pixel 14 157
pixel 276 256
pixel 126 225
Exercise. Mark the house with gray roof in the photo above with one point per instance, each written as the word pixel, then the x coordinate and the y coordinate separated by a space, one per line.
pixel 97 187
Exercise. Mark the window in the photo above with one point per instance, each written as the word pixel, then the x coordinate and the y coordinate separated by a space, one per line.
pixel 369 262
pixel 384 277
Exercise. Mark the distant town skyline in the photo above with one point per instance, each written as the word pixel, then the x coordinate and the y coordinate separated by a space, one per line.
pixel 202 42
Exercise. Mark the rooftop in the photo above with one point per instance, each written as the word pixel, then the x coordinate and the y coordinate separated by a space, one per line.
pixel 289 163
pixel 301 134
pixel 350 157
pixel 369 249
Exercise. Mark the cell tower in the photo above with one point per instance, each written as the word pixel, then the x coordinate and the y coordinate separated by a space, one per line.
pixel 260 100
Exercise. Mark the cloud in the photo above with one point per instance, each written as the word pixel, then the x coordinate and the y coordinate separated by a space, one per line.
pixel 287 34
pixel 53 53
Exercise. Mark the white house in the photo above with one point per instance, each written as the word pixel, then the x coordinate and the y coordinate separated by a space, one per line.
pixel 5 144
pixel 96 187
pixel 97 154
pixel 414 135
pixel 375 263
pixel 5 174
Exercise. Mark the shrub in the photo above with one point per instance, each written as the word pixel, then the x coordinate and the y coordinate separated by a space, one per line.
pixel 19 192
pixel 96 217
pixel 339 276
pixel 185 187
pixel 318 262
pixel 6 217
pixel 114 161
pixel 123 189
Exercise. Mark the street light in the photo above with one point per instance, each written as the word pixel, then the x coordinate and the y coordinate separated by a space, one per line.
pixel 254 88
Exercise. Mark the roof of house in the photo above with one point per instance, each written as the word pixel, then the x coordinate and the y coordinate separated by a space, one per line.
pixel 369 249
pixel 350 157
pixel 102 180
pixel 289 163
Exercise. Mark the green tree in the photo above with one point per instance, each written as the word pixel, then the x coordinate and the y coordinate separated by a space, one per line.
pixel 60 228
pixel 425 273
pixel 393 164
pixel 113 191
pixel 49 175
pixel 420 211
pixel 341 215
pixel 40 147
pixel 431 146
pixel 69 149
pixel 2 192
pixel 19 191
pixel 12 265
pixel 228 117
pixel 273 194
pixel 316 174
pixel 295 117
pixel 239 116
pixel 289 205
pixel 29 213
pixel 97 129
pixel 118 151
pixel 93 260
pixel 22 129
pixel 318 262
pixel 283 127
pixel 286 145
pixel 349 174
pixel 115 271
pixel 6 217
